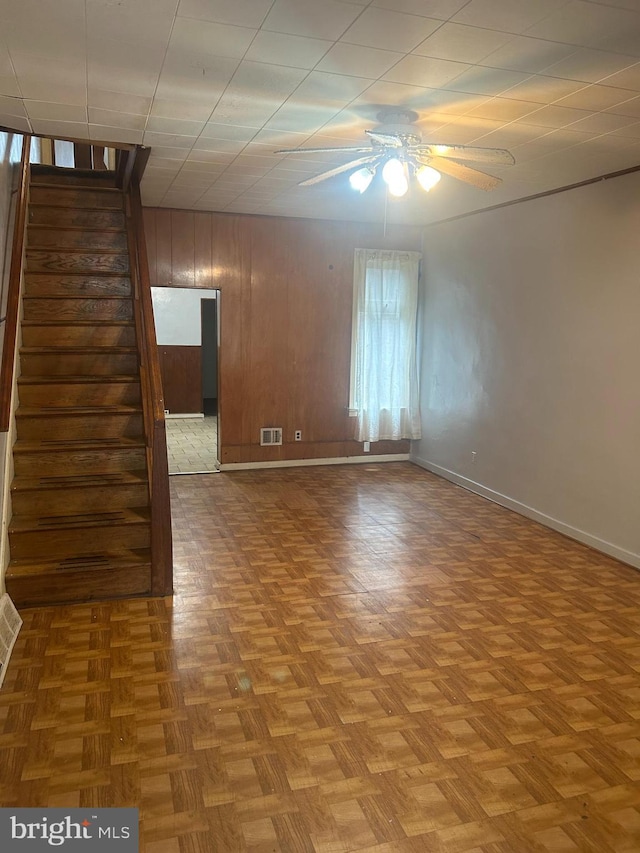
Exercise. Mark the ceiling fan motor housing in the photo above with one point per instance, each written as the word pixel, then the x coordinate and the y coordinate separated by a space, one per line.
pixel 400 122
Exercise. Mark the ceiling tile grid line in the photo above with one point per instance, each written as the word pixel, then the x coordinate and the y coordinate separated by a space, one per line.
pixel 216 86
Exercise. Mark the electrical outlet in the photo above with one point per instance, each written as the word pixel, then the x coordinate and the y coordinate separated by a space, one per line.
pixel 298 435
pixel 473 455
pixel 367 446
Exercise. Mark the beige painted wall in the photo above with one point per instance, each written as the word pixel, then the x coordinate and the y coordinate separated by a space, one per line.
pixel 531 359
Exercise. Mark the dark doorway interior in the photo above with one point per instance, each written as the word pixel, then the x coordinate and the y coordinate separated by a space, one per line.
pixel 209 357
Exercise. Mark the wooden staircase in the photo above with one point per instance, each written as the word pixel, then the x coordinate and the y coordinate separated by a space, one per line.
pixel 81 524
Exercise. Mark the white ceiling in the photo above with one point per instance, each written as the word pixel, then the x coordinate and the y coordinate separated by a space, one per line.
pixel 214 86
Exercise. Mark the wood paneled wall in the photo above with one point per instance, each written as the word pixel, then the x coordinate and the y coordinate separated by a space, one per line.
pixel 285 321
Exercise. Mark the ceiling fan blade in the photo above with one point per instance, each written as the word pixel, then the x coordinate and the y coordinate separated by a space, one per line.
pixel 368 148
pixel 361 161
pixel 463 173
pixel 385 138
pixel 465 152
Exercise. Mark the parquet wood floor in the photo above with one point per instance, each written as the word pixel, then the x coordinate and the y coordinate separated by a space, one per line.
pixel 360 658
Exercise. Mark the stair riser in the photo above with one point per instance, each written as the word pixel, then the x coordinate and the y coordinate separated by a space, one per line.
pixel 41 308
pixel 104 461
pixel 108 181
pixel 75 216
pixel 82 262
pixel 86 499
pixel 78 336
pixel 65 427
pixel 42 284
pixel 76 197
pixel 70 543
pixel 80 394
pixel 59 238
pixel 77 364
pixel 69 586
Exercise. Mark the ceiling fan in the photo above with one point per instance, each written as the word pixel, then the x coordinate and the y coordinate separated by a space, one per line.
pixel 397 148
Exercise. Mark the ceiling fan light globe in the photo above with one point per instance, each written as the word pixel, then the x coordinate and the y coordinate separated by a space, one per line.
pixel 427 177
pixel 393 171
pixel 399 186
pixel 361 179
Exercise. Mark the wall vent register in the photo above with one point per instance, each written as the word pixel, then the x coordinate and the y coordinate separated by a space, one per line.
pixel 270 435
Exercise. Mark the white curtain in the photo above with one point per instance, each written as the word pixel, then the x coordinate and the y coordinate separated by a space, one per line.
pixel 384 383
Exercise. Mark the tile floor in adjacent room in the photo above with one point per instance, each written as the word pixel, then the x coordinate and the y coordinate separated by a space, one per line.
pixel 192 445
pixel 356 658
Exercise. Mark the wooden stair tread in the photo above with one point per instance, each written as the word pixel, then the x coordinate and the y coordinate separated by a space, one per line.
pixel 84 350
pixel 79 481
pixel 55 445
pixel 76 250
pixel 64 379
pixel 49 226
pixel 99 560
pixel 32 324
pixel 67 411
pixel 52 185
pixel 84 297
pixel 79 521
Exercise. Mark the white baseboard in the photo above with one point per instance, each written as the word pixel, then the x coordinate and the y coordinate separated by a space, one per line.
pixel 529 512
pixel 169 417
pixel 300 463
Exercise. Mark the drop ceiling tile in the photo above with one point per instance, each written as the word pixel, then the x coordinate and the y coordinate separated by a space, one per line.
pixel 592 25
pixel 528 54
pixel 12 106
pixel 320 87
pixel 169 153
pixel 326 20
pixel 631 130
pixel 627 108
pixel 181 127
pixel 441 9
pixel 511 135
pixel 9 85
pixel 122 79
pixel 196 41
pixel 105 133
pixel 357 61
pixel 389 30
pixel 302 118
pixel 19 123
pixel 137 22
pixel 283 49
pixel 228 131
pixel 170 140
pixel 503 109
pixel 511 16
pixel 199 155
pixel 56 112
pixel 629 78
pixel 115 101
pixel 241 13
pixel 553 116
pixel 186 110
pixel 279 138
pixel 602 123
pixel 223 146
pixel 426 72
pixel 62 81
pixel 61 129
pixel 487 81
pixel 544 90
pixel 595 98
pixel 111 118
pixel 591 66
pixel 461 43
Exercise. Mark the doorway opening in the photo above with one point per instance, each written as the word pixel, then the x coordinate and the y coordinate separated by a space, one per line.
pixel 187 329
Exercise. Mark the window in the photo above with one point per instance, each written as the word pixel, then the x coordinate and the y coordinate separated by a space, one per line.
pixel 384 383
